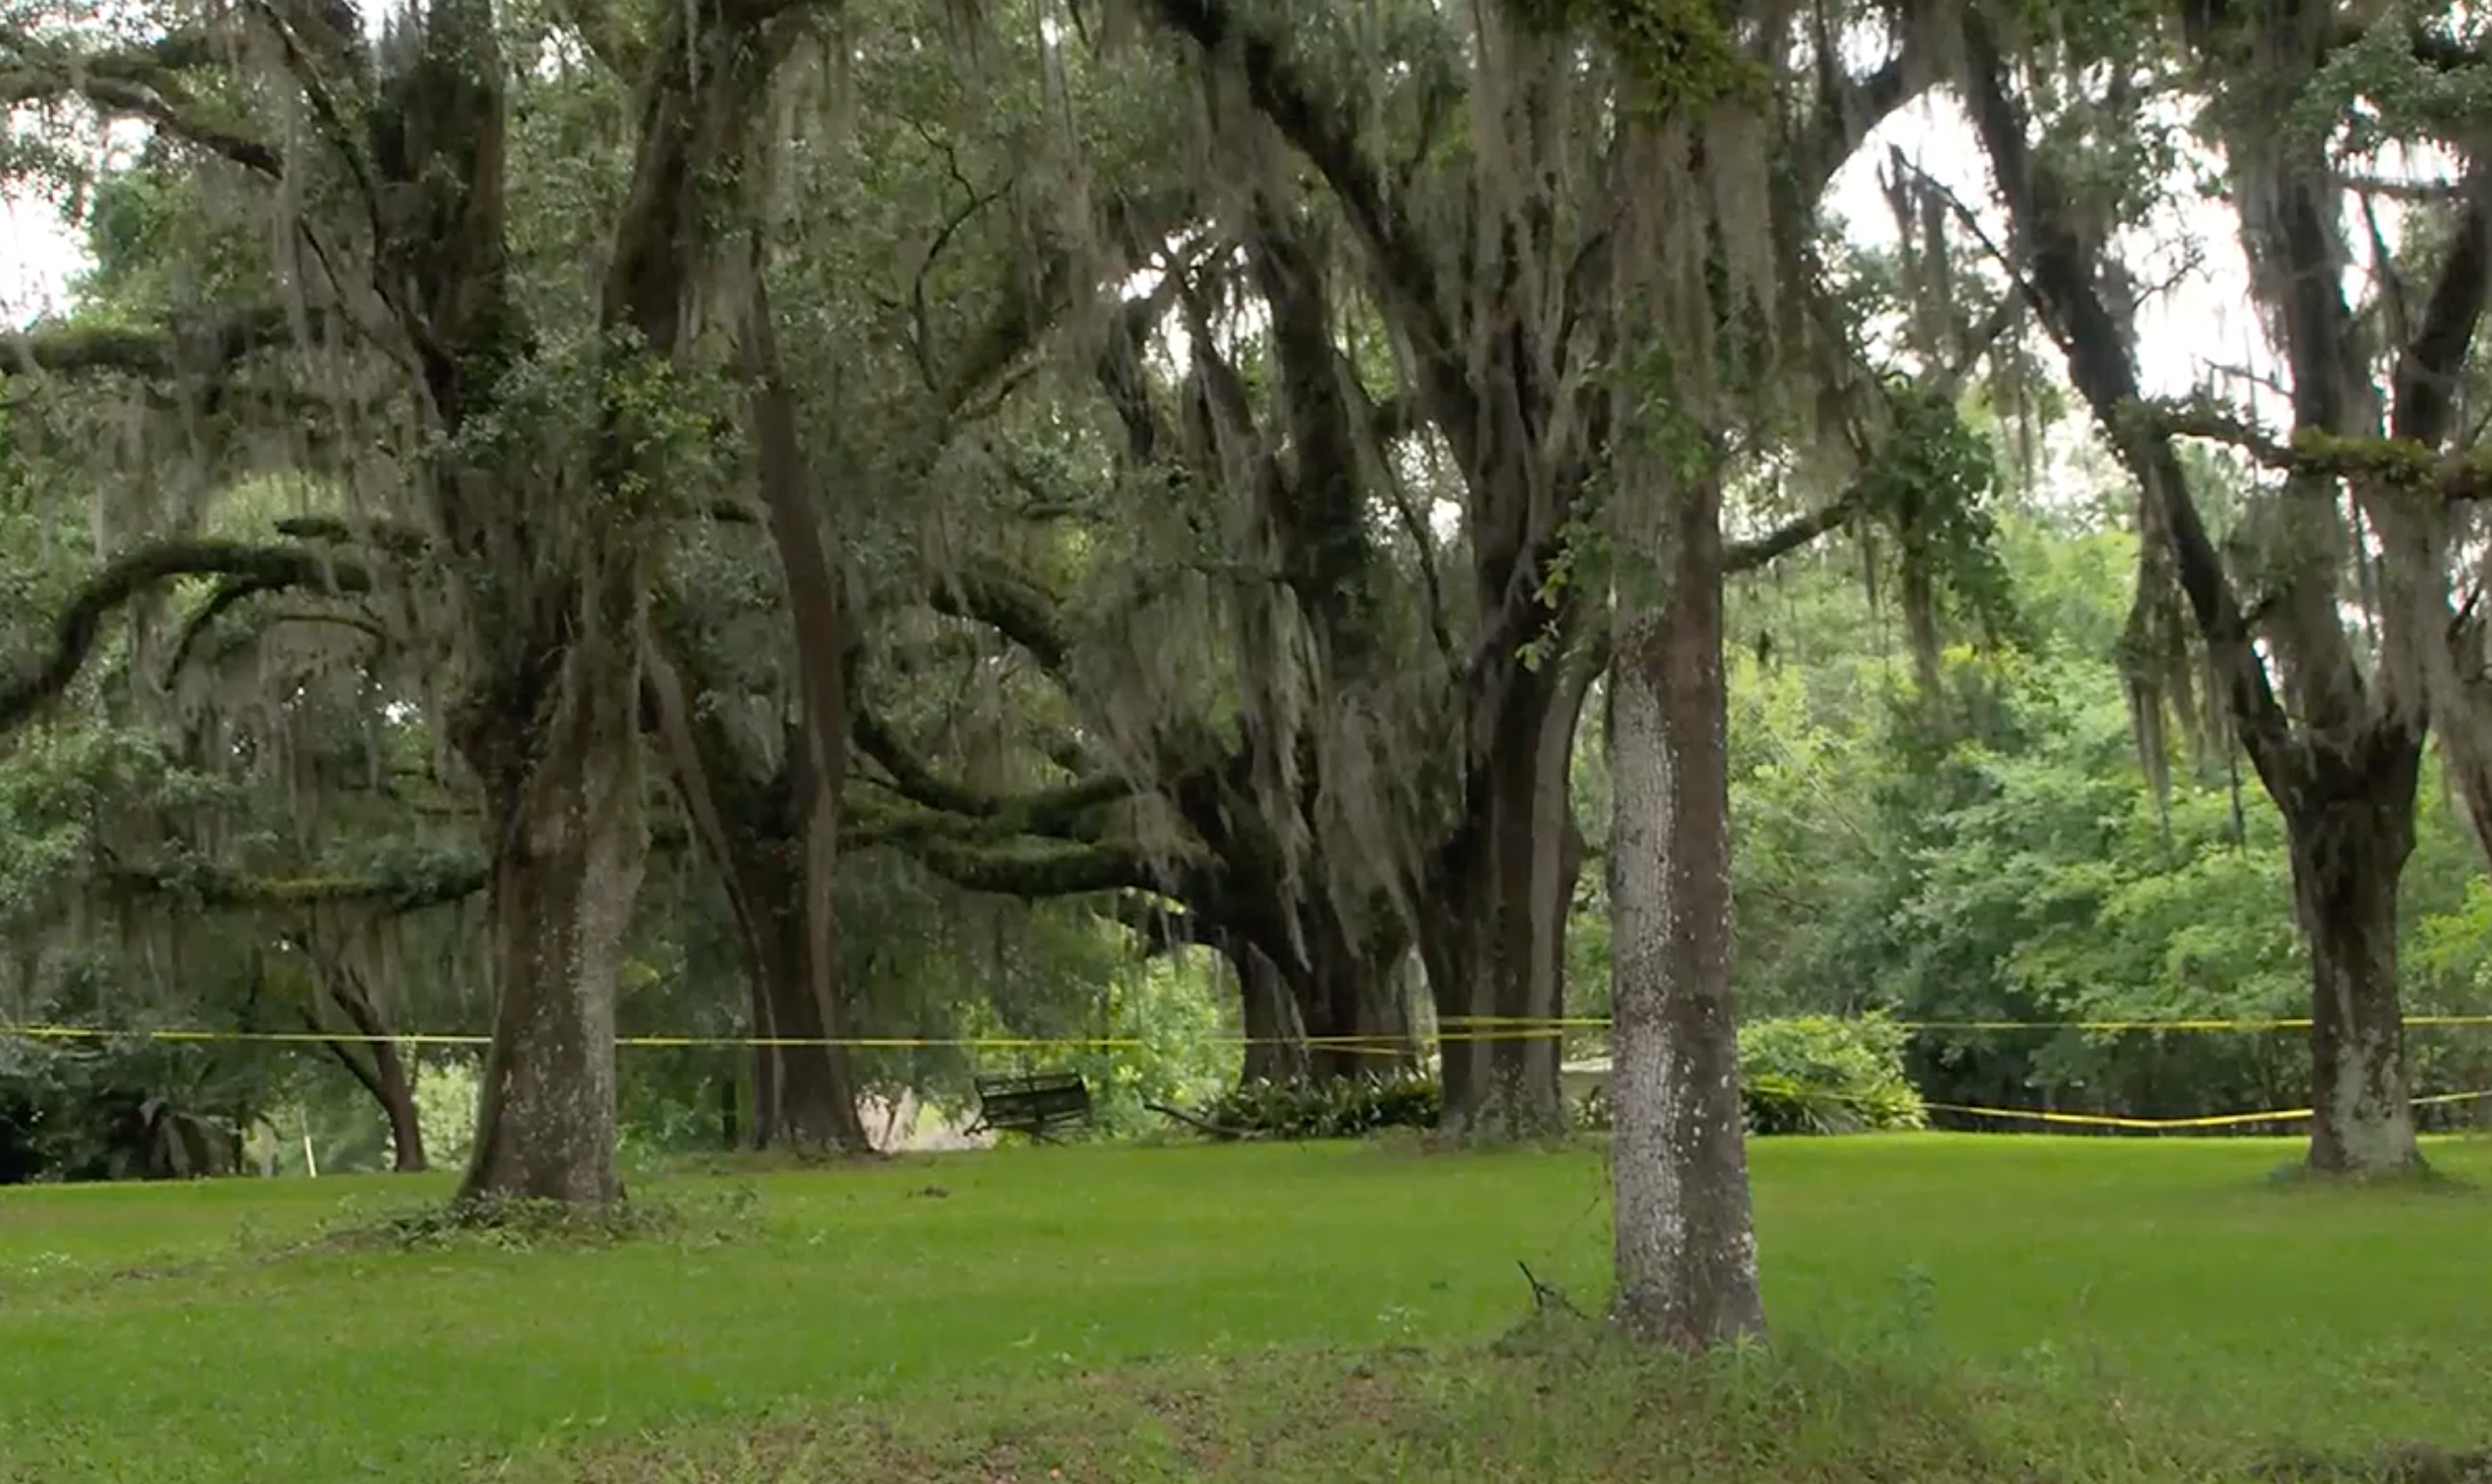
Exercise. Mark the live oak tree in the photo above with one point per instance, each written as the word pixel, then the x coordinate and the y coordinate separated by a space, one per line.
pixel 397 194
pixel 2334 726
pixel 1476 185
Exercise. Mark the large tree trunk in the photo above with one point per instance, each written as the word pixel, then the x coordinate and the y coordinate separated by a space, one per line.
pixel 815 1096
pixel 565 799
pixel 1497 957
pixel 1344 997
pixel 2341 761
pixel 804 1094
pixel 1366 1027
pixel 1276 1036
pixel 1685 1251
pixel 2350 848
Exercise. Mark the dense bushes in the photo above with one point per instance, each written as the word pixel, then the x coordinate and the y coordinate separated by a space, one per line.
pixel 1809 1074
pixel 1329 1110
pixel 1819 1074
pixel 1815 1074
pixel 108 1115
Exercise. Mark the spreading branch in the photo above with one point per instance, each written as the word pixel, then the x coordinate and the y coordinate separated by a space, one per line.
pixel 2398 462
pixel 448 879
pixel 1741 557
pixel 2062 285
pixel 131 85
pixel 233 591
pixel 1324 129
pixel 2430 363
pixel 1749 555
pixel 1068 812
pixel 1034 875
pixel 1013 606
pixel 71 349
pixel 75 631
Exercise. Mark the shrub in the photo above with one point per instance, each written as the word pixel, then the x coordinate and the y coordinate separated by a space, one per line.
pixel 1346 1109
pixel 1814 1073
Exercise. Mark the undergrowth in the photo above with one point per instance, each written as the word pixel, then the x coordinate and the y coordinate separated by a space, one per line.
pixel 1561 1399
pixel 707 1218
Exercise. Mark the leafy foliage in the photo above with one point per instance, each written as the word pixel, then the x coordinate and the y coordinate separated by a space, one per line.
pixel 1813 1073
pixel 1819 1074
pixel 1346 1109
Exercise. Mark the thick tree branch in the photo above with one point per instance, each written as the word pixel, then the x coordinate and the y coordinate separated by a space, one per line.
pixel 132 573
pixel 363 1073
pixel 446 879
pixel 131 85
pixel 1323 130
pixel 1849 108
pixel 1748 556
pixel 233 591
pixel 2062 284
pixel 1069 811
pixel 1014 607
pixel 1037 875
pixel 2429 364
pixel 2394 460
pixel 70 350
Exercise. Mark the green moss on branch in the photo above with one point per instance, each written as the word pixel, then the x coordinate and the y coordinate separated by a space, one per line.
pixel 29 687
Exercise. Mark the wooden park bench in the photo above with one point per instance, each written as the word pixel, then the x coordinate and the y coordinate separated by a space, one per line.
pixel 1036 1105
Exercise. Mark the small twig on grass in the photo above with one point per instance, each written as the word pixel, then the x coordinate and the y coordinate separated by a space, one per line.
pixel 1546 1295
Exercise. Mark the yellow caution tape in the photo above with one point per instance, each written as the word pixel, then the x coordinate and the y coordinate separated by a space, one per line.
pixel 1376 1045
pixel 2215 1120
pixel 1379 1045
pixel 1551 1024
pixel 1497 1028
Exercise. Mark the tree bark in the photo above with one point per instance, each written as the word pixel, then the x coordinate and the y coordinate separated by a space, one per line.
pixel 2350 848
pixel 1499 956
pixel 804 1094
pixel 572 841
pixel 1685 1249
pixel 815 1094
pixel 386 1078
pixel 1276 1047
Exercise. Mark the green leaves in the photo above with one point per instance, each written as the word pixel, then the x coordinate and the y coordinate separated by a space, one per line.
pixel 1328 1110
pixel 1933 484
pixel 1814 1073
pixel 1826 1075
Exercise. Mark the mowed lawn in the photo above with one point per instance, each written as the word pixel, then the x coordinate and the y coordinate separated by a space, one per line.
pixel 164 1333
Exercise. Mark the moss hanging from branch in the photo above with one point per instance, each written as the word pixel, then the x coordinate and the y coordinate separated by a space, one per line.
pixel 139 572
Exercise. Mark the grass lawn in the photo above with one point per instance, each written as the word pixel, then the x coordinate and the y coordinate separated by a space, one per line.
pixel 1945 1308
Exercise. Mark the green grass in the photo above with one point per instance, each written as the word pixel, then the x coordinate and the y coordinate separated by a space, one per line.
pixel 1944 1307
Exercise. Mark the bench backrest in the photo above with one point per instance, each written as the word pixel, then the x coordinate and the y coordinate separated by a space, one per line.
pixel 1047 1095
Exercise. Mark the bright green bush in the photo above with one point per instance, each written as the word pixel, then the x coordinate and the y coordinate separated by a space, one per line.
pixel 1815 1074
